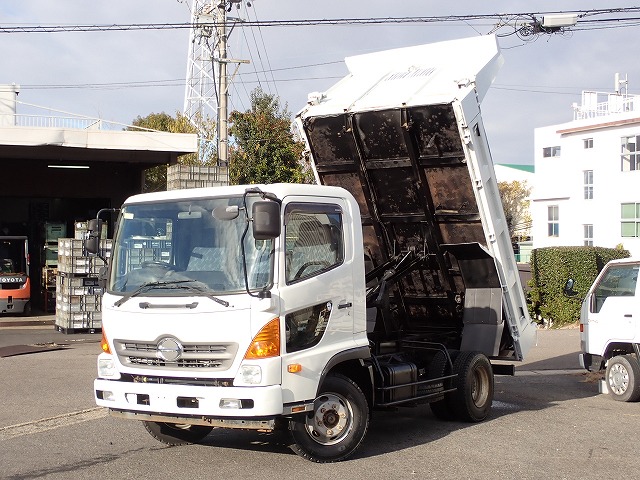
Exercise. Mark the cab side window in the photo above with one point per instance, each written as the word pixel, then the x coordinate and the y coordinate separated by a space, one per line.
pixel 618 281
pixel 314 241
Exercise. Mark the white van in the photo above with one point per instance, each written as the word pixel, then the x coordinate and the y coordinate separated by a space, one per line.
pixel 610 328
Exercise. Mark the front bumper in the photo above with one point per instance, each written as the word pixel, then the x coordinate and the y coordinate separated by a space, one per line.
pixel 189 400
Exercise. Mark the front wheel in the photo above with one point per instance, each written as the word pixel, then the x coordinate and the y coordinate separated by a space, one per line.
pixel 176 434
pixel 336 426
pixel 623 377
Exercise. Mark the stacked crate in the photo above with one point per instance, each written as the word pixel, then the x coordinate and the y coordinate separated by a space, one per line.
pixel 78 294
pixel 50 233
pixel 143 250
pixel 195 176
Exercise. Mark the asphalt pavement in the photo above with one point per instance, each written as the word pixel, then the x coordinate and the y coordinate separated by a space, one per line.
pixel 543 419
pixel 38 330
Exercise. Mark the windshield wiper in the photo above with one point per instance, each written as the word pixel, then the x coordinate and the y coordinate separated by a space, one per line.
pixel 168 284
pixel 195 288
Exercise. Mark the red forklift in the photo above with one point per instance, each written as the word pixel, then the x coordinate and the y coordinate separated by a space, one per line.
pixel 15 285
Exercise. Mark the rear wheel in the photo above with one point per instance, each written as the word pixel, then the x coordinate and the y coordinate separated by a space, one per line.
pixel 623 378
pixel 177 434
pixel 472 399
pixel 474 395
pixel 336 426
pixel 440 367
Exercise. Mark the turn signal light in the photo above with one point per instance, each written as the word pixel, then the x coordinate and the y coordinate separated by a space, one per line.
pixel 266 343
pixel 104 344
pixel 294 368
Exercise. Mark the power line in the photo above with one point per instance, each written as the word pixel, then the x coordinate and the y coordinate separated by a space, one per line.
pixel 180 82
pixel 265 49
pixel 324 22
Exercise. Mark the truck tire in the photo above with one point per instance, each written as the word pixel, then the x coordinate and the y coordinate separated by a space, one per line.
pixel 176 434
pixel 623 378
pixel 336 426
pixel 439 367
pixel 473 397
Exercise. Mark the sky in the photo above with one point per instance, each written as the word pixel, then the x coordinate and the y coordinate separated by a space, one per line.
pixel 120 75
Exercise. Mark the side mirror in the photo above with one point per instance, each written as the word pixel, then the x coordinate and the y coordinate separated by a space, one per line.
pixel 568 288
pixel 266 220
pixel 102 277
pixel 92 244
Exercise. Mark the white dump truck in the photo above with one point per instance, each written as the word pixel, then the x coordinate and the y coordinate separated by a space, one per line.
pixel 610 331
pixel 390 283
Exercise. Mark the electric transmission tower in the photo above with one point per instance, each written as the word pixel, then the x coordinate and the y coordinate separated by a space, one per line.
pixel 207 86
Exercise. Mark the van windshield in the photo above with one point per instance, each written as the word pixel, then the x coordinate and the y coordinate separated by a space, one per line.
pixel 181 241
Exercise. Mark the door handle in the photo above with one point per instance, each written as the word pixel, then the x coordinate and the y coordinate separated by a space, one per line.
pixel 345 305
pixel 628 315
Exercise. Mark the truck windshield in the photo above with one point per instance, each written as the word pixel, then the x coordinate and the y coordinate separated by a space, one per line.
pixel 179 241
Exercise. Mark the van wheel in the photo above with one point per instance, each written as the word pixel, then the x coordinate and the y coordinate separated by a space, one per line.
pixel 176 434
pixel 623 377
pixel 336 426
pixel 474 395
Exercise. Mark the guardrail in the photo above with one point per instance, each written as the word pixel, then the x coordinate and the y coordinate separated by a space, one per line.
pixel 40 121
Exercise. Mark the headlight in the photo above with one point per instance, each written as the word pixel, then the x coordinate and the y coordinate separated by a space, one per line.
pixel 107 368
pixel 249 375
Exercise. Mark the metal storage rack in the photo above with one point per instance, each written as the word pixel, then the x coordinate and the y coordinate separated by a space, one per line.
pixel 78 295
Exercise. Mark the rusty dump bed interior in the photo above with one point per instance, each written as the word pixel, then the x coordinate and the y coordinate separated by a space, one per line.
pixel 406 167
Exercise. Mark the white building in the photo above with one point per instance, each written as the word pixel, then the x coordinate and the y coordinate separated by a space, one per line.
pixel 587 182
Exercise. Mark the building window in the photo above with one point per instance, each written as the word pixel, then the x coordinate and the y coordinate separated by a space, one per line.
pixel 588 184
pixel 588 235
pixel 629 153
pixel 551 152
pixel 630 213
pixel 588 143
pixel 553 215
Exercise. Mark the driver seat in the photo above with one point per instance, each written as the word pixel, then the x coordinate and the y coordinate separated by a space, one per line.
pixel 314 244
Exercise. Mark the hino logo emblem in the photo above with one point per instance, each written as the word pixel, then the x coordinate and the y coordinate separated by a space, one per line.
pixel 169 349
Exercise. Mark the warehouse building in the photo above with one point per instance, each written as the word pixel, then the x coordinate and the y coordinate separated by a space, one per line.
pixel 60 171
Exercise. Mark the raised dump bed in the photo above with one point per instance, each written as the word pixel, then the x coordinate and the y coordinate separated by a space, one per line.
pixel 403 133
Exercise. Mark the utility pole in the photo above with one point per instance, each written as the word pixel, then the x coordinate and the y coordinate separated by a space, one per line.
pixel 223 111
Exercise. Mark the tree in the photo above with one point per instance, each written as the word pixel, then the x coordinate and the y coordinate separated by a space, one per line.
pixel 156 177
pixel 515 202
pixel 263 148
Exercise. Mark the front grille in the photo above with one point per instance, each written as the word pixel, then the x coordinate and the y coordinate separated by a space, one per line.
pixel 155 362
pixel 201 356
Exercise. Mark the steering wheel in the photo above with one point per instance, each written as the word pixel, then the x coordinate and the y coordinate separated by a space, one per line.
pixel 158 263
pixel 304 266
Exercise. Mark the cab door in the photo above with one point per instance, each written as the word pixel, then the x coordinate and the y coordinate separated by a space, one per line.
pixel 612 305
pixel 316 291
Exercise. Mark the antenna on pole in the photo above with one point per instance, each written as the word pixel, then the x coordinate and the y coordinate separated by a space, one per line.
pixel 207 81
pixel 621 84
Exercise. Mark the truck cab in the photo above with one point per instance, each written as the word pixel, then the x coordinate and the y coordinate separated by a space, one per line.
pixel 610 330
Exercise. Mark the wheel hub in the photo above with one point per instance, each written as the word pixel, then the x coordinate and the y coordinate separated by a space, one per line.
pixel 618 379
pixel 331 420
pixel 479 390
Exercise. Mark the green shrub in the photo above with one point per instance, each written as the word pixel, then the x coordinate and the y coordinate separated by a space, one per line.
pixel 550 269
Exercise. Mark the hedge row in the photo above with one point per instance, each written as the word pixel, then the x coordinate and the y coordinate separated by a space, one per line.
pixel 550 269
